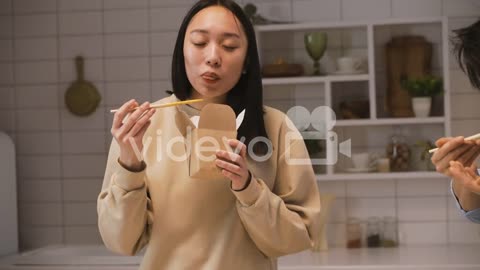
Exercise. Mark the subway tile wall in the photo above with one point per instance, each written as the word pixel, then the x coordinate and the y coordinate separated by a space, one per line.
pixel 128 46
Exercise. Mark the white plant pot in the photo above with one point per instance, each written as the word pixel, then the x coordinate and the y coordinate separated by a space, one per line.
pixel 421 106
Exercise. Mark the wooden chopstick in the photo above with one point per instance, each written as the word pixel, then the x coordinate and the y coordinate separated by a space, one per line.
pixel 167 104
pixel 473 137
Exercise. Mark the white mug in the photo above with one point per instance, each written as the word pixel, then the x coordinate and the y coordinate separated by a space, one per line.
pixel 361 160
pixel 349 64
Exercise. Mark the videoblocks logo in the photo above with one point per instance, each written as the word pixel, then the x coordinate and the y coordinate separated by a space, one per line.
pixel 317 126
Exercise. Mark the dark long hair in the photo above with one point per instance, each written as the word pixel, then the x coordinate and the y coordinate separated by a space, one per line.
pixel 247 93
pixel 466 44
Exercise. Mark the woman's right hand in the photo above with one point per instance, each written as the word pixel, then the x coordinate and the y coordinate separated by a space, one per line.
pixel 129 133
pixel 454 149
pixel 456 159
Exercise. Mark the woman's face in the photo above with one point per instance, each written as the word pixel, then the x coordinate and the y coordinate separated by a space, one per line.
pixel 215 48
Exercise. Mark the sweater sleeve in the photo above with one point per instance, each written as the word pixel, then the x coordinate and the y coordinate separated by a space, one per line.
pixel 283 220
pixel 472 215
pixel 124 207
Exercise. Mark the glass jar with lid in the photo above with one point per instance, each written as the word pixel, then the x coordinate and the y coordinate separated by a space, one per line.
pixel 373 232
pixel 354 233
pixel 390 232
pixel 399 154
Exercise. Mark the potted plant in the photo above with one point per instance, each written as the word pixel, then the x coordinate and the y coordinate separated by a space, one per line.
pixel 422 90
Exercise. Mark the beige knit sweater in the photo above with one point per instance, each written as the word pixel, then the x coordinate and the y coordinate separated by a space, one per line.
pixel 188 223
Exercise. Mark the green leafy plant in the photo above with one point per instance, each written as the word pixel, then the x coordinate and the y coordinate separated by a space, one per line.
pixel 250 10
pixel 256 18
pixel 424 145
pixel 427 86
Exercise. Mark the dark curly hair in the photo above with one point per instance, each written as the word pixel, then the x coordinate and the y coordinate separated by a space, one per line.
pixel 466 43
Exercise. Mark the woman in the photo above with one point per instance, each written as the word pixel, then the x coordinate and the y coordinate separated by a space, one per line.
pixel 260 211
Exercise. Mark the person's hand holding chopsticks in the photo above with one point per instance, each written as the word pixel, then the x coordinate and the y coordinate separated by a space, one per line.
pixel 454 149
pixel 455 157
pixel 129 133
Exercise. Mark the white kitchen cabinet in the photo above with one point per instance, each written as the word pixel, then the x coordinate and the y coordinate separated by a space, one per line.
pixel 366 39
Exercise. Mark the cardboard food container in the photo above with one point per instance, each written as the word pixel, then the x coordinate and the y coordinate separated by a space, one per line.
pixel 217 124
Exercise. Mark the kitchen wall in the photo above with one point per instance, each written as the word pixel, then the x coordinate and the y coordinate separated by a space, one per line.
pixel 127 45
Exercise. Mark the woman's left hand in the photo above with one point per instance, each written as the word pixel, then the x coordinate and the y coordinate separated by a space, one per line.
pixel 467 177
pixel 233 165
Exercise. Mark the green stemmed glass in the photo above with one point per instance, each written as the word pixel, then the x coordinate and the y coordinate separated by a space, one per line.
pixel 316 44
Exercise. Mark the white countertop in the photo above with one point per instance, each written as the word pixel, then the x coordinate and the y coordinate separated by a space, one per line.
pixel 454 257
pixel 431 257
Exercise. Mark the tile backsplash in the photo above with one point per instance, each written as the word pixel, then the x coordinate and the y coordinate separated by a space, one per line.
pixel 128 45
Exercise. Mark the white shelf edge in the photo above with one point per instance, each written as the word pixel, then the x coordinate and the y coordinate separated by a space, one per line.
pixel 390 121
pixel 393 21
pixel 306 26
pixel 344 24
pixel 378 176
pixel 315 79
pixel 294 80
pixel 348 78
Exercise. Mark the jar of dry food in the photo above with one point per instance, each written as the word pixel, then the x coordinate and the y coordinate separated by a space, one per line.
pixel 354 233
pixel 373 232
pixel 399 154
